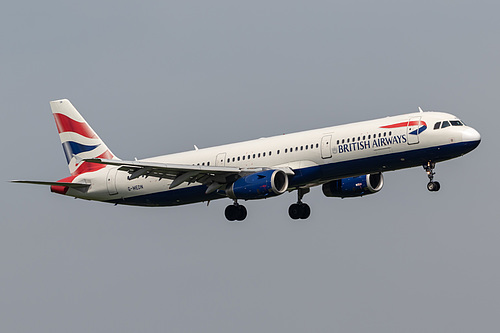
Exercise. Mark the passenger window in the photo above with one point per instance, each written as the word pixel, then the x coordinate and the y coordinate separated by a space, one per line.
pixel 263 154
pixel 455 123
pixel 445 124
pixel 348 140
pixel 343 141
pixel 286 150
pixel 208 163
pixel 437 125
pixel 317 145
pixel 278 152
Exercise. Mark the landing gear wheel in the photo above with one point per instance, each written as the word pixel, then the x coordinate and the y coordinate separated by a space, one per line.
pixel 235 212
pixel 433 186
pixel 299 211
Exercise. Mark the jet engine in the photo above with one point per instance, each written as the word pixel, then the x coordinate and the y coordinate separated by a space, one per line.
pixel 354 186
pixel 259 185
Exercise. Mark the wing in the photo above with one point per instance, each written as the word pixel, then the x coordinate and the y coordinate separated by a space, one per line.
pixel 214 177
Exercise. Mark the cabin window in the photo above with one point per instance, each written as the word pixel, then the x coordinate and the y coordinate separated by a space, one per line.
pixel 296 148
pixel 369 137
pixel 348 140
pixel 359 138
pixel 263 154
pixel 385 134
pixel 390 133
pixel 301 147
pixel 286 150
pixel 208 163
pixel 307 147
pixel 238 158
pixel 445 124
pixel 343 141
pixel 278 152
pixel 243 157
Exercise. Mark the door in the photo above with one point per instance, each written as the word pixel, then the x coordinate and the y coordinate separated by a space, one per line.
pixel 326 149
pixel 220 160
pixel 413 130
pixel 111 181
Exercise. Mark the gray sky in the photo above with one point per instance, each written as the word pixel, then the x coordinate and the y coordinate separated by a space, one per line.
pixel 157 77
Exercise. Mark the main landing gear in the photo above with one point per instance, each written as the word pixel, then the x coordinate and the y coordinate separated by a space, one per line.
pixel 432 185
pixel 300 210
pixel 235 212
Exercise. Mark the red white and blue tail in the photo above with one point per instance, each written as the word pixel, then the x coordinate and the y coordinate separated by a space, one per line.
pixel 78 139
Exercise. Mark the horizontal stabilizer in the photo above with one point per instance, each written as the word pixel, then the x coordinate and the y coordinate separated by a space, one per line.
pixel 71 185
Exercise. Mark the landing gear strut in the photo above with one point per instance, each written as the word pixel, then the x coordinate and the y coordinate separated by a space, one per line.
pixel 300 210
pixel 432 185
pixel 235 212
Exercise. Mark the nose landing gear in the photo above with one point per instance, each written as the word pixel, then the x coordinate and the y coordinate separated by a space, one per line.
pixel 431 185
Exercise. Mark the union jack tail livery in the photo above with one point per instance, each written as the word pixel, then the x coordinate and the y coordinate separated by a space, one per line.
pixel 79 140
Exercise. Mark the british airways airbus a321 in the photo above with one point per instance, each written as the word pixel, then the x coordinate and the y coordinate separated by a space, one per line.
pixel 347 161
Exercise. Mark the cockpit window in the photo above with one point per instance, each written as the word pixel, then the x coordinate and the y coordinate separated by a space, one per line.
pixel 456 123
pixel 437 125
pixel 445 124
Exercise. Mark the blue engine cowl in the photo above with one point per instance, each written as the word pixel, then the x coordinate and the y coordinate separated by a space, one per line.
pixel 259 185
pixel 354 186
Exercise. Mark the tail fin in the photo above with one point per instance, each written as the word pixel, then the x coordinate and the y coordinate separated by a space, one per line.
pixel 78 139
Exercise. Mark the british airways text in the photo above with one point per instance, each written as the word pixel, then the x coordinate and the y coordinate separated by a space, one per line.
pixel 375 143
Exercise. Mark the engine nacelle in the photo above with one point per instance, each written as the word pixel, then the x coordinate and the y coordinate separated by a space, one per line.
pixel 354 186
pixel 259 185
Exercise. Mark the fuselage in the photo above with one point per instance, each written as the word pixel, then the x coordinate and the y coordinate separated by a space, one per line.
pixel 310 158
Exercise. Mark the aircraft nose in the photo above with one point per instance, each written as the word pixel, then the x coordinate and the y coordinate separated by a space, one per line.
pixel 471 134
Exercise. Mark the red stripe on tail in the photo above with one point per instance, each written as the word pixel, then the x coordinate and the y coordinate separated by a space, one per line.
pixel 66 124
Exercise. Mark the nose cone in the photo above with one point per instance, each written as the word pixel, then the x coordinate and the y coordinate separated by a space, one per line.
pixel 471 135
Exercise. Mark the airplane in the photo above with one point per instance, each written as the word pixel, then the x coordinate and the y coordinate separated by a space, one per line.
pixel 347 161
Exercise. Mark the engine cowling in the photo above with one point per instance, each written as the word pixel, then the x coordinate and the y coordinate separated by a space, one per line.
pixel 259 185
pixel 354 186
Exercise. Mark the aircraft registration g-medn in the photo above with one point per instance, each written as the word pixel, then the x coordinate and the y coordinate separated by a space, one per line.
pixel 347 161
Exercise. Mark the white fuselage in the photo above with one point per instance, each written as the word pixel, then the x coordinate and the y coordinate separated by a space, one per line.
pixel 310 157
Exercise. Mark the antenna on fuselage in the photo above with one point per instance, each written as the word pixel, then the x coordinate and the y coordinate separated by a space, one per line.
pixel 420 110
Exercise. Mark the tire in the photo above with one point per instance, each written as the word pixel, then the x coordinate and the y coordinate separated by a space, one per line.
pixel 231 213
pixel 242 213
pixel 294 211
pixel 306 211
